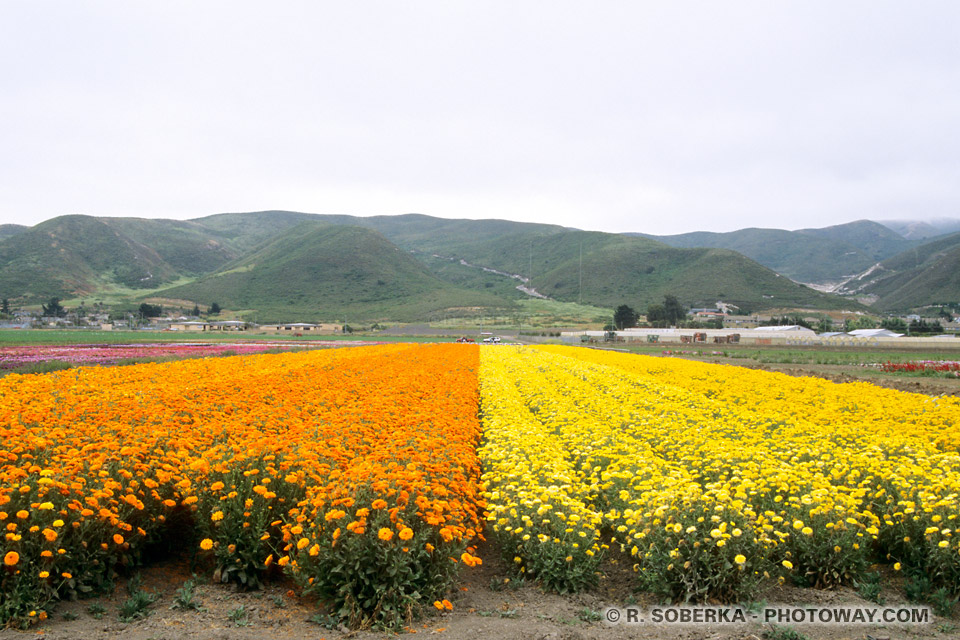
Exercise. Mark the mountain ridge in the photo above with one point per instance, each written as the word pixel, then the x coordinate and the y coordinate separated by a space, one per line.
pixel 210 259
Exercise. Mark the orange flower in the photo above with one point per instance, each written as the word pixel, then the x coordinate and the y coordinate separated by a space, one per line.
pixel 117 538
pixel 385 534
pixel 11 558
pixel 406 533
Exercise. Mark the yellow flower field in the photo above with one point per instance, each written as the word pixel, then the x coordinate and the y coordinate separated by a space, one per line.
pixel 714 477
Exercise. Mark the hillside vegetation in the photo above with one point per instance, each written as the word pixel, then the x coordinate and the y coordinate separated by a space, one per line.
pixel 10 230
pixel 825 255
pixel 279 265
pixel 76 255
pixel 924 275
pixel 344 271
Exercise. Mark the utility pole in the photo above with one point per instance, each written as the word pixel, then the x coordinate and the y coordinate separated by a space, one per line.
pixel 580 299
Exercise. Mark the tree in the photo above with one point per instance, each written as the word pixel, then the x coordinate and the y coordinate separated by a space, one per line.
pixel 657 315
pixel 898 325
pixel 625 317
pixel 675 312
pixel 825 325
pixel 196 311
pixel 214 309
pixel 150 310
pixel 5 307
pixel 54 309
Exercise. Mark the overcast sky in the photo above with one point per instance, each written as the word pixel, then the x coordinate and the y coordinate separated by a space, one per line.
pixel 660 117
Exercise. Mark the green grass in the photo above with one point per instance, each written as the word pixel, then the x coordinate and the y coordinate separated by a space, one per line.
pixel 531 313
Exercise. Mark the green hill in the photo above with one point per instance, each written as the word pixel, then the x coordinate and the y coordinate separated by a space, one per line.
pixel 873 239
pixel 823 255
pixel 924 230
pixel 185 246
pixel 278 265
pixel 644 274
pixel 76 255
pixel 321 271
pixel 10 230
pixel 924 275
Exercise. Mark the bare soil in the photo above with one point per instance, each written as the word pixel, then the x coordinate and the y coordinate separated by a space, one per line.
pixel 488 606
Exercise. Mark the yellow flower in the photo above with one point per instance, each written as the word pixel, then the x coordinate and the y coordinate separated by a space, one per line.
pixel 206 544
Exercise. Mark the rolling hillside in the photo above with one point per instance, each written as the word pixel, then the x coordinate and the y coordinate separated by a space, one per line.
pixel 923 275
pixel 923 230
pixel 819 256
pixel 698 277
pixel 274 265
pixel 76 255
pixel 334 271
pixel 10 230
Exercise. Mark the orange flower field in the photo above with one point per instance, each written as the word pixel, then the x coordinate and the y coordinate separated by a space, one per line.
pixel 355 471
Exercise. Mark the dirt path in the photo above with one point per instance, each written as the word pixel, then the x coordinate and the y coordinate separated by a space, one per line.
pixel 488 607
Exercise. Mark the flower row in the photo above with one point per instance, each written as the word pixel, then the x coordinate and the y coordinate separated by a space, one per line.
pixel 329 465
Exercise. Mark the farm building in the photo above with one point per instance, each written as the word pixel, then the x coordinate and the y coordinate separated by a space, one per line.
pixel 189 326
pixel 224 325
pixel 302 327
pixel 874 333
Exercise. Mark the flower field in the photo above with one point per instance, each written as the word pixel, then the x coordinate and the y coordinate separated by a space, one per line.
pixel 353 470
pixel 712 477
pixel 923 367
pixel 368 475
pixel 92 354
